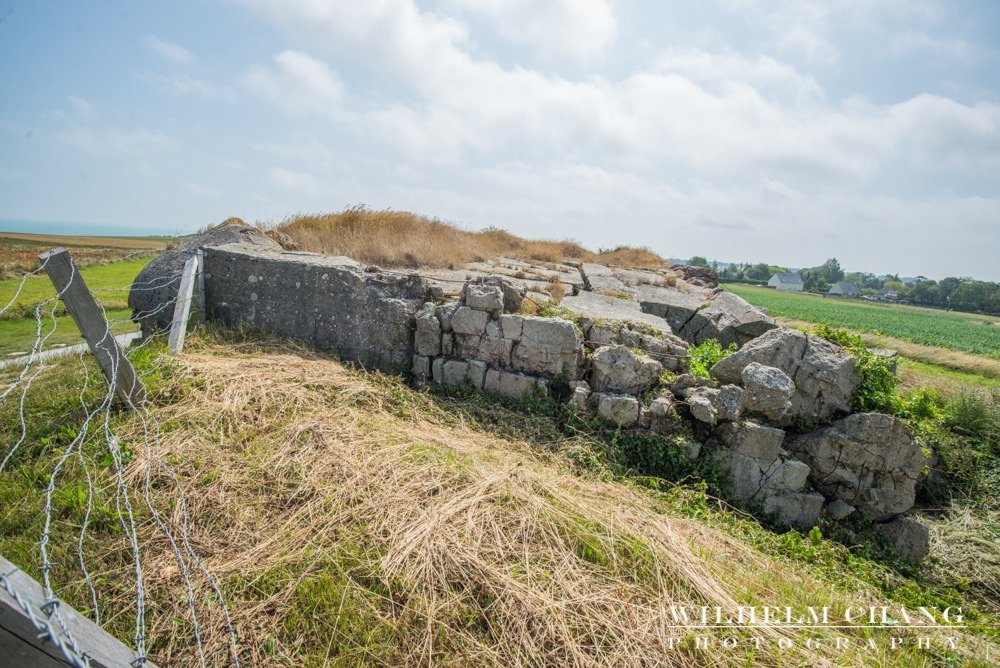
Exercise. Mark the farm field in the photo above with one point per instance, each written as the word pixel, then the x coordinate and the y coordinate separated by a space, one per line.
pixel 966 332
pixel 107 278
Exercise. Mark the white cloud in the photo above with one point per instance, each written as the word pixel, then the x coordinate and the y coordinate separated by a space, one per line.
pixel 575 30
pixel 184 84
pixel 170 52
pixel 299 84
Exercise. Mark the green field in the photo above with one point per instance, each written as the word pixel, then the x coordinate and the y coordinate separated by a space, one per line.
pixel 967 332
pixel 108 282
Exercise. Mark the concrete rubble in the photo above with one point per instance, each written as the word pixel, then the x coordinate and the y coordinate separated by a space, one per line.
pixel 775 416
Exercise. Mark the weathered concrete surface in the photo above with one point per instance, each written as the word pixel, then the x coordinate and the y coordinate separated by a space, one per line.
pixel 154 289
pixel 365 317
pixel 823 373
pixel 867 460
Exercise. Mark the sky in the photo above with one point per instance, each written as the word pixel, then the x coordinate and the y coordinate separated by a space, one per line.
pixel 783 131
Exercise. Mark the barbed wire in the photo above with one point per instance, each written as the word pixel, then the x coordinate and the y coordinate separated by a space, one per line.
pixel 179 543
pixel 42 625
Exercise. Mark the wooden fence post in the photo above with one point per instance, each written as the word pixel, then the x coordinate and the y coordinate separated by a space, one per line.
pixel 89 318
pixel 182 307
pixel 22 644
pixel 199 288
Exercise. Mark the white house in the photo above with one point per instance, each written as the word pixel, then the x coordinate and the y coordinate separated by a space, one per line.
pixel 844 289
pixel 786 282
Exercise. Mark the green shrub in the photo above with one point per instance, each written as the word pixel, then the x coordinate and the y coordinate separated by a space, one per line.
pixel 705 355
pixel 877 389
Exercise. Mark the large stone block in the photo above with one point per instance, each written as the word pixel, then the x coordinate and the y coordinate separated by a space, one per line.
pixel 752 439
pixel 867 460
pixel 619 409
pixel 618 370
pixel 484 297
pixel 507 384
pixel 466 320
pixel 768 391
pixel 427 339
pixel 823 373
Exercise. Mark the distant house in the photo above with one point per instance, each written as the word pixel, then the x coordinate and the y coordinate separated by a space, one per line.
pixel 844 289
pixel 786 282
pixel 888 296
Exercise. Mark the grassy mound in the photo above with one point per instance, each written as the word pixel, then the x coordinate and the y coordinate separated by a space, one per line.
pixel 351 520
pixel 403 239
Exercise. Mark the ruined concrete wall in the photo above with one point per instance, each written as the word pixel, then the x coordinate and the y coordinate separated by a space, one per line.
pixel 332 302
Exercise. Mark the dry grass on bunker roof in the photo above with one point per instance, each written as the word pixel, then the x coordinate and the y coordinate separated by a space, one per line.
pixel 403 239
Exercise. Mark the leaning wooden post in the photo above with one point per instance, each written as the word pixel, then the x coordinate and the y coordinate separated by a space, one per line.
pixel 182 307
pixel 89 318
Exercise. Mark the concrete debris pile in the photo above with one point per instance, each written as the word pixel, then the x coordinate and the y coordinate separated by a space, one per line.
pixel 774 416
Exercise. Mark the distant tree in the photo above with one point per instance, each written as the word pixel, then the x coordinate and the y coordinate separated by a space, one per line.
pixel 698 261
pixel 831 271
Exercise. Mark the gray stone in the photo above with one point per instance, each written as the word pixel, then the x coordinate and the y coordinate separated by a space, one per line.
pixel 839 509
pixel 477 373
pixel 701 408
pixel 580 397
pixel 662 414
pixel 549 347
pixel 677 308
pixel 743 474
pixel 513 295
pixel 686 381
pixel 511 326
pixel 448 344
pixel 444 313
pixel 888 354
pixel 466 320
pixel 619 409
pixel 786 475
pixel 455 372
pixel 823 373
pixel 437 369
pixel 551 331
pixel 910 538
pixel 507 384
pixel 755 440
pixel 799 510
pixel 611 312
pixel 618 370
pixel 867 460
pixel 728 403
pixel 155 288
pixel 421 367
pixel 484 297
pixel 427 340
pixel 768 391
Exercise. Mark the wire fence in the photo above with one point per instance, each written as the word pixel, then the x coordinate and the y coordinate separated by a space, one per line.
pixel 95 434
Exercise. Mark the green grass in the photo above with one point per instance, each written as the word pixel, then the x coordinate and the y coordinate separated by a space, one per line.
pixel 108 282
pixel 114 276
pixel 967 332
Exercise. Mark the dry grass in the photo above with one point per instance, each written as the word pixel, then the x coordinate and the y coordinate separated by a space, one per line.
pixel 351 521
pixel 403 239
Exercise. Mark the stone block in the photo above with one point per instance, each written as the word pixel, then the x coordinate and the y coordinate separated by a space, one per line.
pixel 507 384
pixel 620 409
pixel 487 298
pixel 469 321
